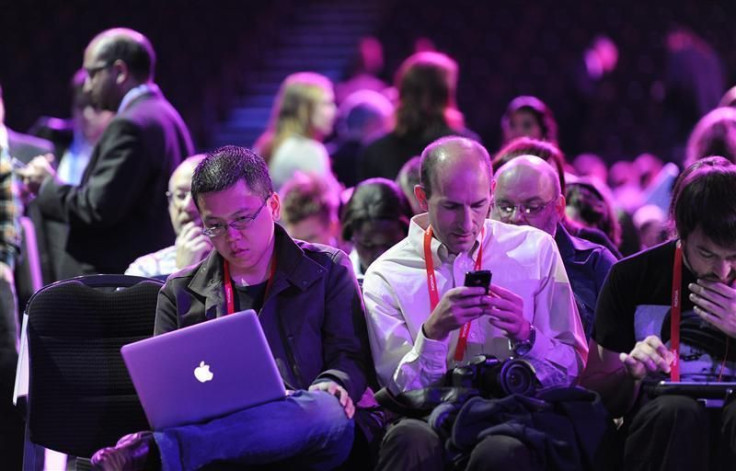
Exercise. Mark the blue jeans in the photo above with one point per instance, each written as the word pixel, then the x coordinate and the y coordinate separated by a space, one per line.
pixel 310 427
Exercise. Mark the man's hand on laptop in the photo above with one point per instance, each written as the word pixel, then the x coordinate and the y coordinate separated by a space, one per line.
pixel 648 356
pixel 339 392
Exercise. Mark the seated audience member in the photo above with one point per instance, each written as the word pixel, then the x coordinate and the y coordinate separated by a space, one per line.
pixel 302 116
pixel 309 305
pixel 632 340
pixel 651 223
pixel 589 204
pixel 416 306
pixel 407 179
pixel 191 244
pixel 375 218
pixel 714 134
pixel 526 191
pixel 551 154
pixel 364 116
pixel 309 208
pixel 427 110
pixel 528 116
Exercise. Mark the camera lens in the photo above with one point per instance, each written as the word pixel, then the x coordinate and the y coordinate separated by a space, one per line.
pixel 516 377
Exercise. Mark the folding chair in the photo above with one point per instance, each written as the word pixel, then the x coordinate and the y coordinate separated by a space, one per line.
pixel 80 397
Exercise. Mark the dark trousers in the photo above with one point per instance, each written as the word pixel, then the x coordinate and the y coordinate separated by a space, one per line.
pixel 411 444
pixel 678 433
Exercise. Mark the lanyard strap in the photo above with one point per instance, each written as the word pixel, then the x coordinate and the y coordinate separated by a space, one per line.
pixel 675 312
pixel 434 296
pixel 230 294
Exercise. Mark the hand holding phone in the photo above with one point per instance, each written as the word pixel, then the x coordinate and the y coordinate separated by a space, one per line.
pixel 481 278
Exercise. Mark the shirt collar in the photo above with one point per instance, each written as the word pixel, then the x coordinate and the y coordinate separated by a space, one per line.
pixel 440 254
pixel 136 92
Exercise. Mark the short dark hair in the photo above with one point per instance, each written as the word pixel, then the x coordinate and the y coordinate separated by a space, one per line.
pixel 131 47
pixel 375 199
pixel 541 112
pixel 433 153
pixel 227 165
pixel 704 197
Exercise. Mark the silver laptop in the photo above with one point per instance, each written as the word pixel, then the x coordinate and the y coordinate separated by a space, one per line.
pixel 204 371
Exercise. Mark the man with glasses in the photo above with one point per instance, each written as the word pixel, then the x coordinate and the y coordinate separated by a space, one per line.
pixel 118 211
pixel 422 321
pixel 191 245
pixel 526 192
pixel 310 309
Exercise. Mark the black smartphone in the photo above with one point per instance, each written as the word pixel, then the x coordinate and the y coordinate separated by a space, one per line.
pixel 478 278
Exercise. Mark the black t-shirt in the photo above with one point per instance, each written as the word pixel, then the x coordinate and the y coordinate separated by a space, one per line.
pixel 635 302
pixel 250 297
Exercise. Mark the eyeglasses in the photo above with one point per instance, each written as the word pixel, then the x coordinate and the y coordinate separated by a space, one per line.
pixel 532 209
pixel 92 71
pixel 239 223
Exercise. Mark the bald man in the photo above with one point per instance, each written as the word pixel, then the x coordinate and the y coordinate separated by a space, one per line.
pixel 526 192
pixel 529 312
pixel 119 209
pixel 191 245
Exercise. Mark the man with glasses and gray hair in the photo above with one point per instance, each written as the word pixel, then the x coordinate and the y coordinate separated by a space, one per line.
pixel 309 307
pixel 526 192
pixel 191 245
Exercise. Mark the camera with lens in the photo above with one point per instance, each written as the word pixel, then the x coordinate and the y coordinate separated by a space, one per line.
pixel 496 378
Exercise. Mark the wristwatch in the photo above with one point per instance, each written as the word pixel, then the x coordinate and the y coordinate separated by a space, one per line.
pixel 523 347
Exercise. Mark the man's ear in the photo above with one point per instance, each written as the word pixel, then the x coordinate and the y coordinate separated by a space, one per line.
pixel 421 196
pixel 560 206
pixel 122 73
pixel 274 207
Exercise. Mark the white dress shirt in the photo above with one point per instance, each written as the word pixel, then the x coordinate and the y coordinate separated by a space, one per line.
pixel 522 259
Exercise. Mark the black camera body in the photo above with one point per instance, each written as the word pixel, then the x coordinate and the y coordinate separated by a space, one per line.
pixel 496 378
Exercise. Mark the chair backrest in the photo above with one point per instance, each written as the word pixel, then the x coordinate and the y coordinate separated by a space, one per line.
pixel 80 395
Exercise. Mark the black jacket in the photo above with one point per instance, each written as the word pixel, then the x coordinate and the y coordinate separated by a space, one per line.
pixel 313 316
pixel 119 210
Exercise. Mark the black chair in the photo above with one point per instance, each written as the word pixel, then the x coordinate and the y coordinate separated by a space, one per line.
pixel 80 395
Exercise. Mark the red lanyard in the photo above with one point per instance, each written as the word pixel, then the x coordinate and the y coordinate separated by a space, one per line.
pixel 434 296
pixel 229 293
pixel 675 312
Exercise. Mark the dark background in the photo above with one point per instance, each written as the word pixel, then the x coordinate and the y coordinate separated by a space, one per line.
pixel 206 50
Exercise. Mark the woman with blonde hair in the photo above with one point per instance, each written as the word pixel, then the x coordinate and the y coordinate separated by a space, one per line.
pixel 302 116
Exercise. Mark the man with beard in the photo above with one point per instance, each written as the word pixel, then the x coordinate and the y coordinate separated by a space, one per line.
pixel 688 282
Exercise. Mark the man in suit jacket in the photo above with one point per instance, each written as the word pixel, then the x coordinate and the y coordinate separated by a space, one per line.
pixel 119 210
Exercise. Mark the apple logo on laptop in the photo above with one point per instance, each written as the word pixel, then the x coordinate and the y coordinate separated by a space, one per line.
pixel 203 373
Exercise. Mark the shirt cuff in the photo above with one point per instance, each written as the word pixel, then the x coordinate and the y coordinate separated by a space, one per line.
pixel 432 352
